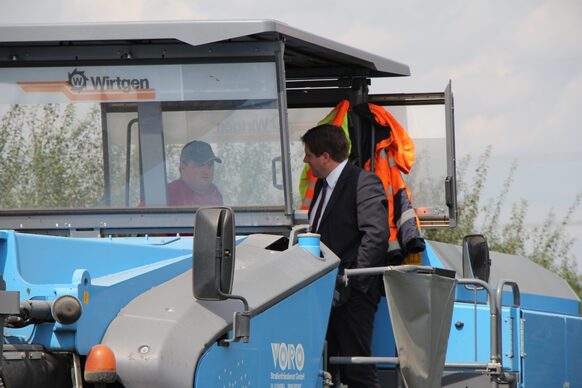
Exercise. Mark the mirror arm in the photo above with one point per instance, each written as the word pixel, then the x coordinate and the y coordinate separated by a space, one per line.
pixel 241 321
pixel 239 297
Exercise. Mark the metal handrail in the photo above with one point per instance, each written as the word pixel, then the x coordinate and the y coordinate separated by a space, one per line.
pixel 346 360
pixel 495 366
pixel 499 303
pixel 360 360
pixel 495 346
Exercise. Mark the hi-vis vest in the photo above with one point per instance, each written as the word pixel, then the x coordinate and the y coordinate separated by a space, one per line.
pixel 338 117
pixel 392 156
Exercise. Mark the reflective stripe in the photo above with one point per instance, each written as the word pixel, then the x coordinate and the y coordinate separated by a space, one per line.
pixel 391 162
pixel 407 215
pixel 383 153
pixel 393 246
pixel 389 191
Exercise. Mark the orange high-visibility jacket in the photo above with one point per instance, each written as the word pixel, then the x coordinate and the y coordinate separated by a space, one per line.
pixel 392 156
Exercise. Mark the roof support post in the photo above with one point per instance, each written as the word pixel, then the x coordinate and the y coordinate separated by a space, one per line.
pixel 359 95
pixel 284 127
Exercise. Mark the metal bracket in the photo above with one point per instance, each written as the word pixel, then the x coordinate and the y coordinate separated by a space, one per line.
pixel 494 369
pixel 295 231
pixel 510 354
pixel 522 337
pixel 241 328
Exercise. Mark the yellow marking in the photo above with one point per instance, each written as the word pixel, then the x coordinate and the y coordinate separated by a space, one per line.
pixel 85 297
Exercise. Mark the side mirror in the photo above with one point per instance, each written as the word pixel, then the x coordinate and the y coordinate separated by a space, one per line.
pixel 213 265
pixel 476 261
pixel 213 253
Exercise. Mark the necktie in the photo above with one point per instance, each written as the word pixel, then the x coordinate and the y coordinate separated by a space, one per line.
pixel 314 227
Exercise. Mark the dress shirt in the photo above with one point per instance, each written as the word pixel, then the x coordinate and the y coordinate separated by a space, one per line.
pixel 331 180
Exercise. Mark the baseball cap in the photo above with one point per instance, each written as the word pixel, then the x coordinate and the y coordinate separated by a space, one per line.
pixel 199 152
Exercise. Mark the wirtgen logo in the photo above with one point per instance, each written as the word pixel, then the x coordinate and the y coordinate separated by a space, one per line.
pixel 84 87
pixel 78 80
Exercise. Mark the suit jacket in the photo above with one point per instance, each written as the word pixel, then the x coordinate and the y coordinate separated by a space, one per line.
pixel 354 224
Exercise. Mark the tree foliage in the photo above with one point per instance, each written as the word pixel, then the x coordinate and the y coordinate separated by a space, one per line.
pixel 546 244
pixel 51 157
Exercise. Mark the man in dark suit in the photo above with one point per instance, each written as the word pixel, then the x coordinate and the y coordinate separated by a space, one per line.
pixel 349 211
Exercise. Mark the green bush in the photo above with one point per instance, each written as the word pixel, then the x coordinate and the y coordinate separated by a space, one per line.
pixel 547 244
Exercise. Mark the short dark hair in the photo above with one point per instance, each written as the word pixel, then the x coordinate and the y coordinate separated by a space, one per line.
pixel 327 138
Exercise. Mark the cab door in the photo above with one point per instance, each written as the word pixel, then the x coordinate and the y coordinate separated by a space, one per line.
pixel 428 118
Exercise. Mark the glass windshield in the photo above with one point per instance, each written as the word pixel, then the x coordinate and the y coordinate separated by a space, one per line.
pixel 425 124
pixel 52 156
pixel 140 136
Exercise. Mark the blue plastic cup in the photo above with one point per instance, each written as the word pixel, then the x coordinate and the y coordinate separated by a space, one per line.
pixel 310 242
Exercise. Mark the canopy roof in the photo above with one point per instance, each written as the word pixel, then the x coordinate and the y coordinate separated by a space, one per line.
pixel 305 54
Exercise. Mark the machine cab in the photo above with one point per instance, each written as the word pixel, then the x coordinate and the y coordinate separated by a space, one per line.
pixel 93 123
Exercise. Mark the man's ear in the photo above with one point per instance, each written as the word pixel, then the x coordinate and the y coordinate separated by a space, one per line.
pixel 326 156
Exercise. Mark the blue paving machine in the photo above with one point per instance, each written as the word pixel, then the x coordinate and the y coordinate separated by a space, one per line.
pixel 106 282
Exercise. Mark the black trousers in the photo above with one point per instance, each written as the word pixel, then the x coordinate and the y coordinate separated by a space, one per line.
pixel 350 334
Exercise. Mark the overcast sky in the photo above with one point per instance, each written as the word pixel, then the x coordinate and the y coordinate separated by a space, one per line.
pixel 516 69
